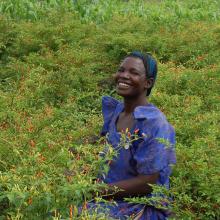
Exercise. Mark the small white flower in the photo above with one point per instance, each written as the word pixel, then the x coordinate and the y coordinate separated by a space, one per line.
pixel 126 146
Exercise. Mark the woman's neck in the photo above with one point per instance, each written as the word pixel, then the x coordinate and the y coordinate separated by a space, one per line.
pixel 131 103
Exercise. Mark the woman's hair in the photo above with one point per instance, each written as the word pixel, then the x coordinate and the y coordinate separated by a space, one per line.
pixel 150 65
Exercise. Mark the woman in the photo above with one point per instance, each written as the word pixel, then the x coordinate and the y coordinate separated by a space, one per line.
pixel 147 159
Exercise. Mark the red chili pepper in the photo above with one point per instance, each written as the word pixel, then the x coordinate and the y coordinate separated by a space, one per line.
pixel 29 201
pixel 85 206
pixel 71 211
pixel 32 143
pixel 136 131
pixel 109 162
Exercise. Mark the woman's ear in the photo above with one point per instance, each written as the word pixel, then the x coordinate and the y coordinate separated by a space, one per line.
pixel 149 83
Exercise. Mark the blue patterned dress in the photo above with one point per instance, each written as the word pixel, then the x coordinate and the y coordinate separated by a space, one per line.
pixel 147 155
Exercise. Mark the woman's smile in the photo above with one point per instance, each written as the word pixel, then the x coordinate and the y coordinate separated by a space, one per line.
pixel 123 85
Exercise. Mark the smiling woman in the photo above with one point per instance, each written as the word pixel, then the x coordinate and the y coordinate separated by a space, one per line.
pixel 142 158
pixel 132 78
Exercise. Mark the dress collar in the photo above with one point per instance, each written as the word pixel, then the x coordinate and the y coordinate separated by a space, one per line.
pixel 148 111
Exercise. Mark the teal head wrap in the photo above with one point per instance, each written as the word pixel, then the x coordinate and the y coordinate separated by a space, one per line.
pixel 150 65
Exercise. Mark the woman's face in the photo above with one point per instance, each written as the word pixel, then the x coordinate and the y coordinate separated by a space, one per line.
pixel 131 78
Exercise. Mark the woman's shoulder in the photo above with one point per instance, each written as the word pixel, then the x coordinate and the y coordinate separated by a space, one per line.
pixel 152 118
pixel 109 102
pixel 149 112
pixel 109 106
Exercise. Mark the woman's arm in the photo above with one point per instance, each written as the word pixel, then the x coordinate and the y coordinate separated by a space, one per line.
pixel 137 186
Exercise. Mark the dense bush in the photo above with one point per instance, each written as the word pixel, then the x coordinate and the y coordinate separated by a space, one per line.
pixel 53 72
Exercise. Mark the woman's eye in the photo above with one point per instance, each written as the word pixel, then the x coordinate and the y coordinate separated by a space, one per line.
pixel 120 70
pixel 135 73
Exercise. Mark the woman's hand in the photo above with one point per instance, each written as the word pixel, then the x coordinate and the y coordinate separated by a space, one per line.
pixel 137 186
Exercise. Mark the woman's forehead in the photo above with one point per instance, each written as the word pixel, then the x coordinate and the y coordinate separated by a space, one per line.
pixel 133 62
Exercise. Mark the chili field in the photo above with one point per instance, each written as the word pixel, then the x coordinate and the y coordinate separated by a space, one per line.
pixel 57 58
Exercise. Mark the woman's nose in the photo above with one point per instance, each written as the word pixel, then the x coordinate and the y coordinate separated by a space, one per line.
pixel 125 74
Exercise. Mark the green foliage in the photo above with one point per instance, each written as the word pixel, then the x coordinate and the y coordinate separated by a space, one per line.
pixel 56 61
pixel 167 11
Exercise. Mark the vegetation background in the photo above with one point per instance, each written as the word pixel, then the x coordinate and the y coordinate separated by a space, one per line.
pixel 56 61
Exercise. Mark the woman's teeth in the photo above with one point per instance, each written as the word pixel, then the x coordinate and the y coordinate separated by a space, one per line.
pixel 123 85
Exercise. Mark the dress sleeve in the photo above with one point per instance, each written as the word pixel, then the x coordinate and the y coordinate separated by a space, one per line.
pixel 109 105
pixel 156 152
